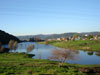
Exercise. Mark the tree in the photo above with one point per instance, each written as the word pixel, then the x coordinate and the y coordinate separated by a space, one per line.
pixel 0 44
pixel 89 37
pixel 37 39
pixel 15 45
pixel 32 39
pixel 1 48
pixel 62 55
pixel 11 43
pixel 30 48
pixel 46 42
pixel 75 35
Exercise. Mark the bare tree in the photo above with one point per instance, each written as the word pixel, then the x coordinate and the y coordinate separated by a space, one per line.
pixel 30 48
pixel 1 48
pixel 37 39
pixel 15 45
pixel 46 42
pixel 11 42
pixel 62 55
pixel 75 35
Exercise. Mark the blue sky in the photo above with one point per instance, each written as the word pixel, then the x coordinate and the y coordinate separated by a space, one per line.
pixel 30 17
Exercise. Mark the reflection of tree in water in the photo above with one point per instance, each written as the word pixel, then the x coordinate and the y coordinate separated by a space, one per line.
pixel 40 55
pixel 15 45
pixel 62 55
pixel 37 39
pixel 90 53
pixel 20 46
pixel 98 53
pixel 75 51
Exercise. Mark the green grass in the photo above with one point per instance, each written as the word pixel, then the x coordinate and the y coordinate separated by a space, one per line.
pixel 90 45
pixel 21 64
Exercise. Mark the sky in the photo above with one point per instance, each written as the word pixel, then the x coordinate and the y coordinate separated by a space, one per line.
pixel 31 17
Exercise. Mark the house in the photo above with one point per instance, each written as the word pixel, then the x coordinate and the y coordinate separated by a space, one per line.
pixel 63 39
pixel 78 38
pixel 58 39
pixel 49 40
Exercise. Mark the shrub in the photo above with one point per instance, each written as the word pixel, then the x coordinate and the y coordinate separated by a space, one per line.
pixel 30 48
pixel 15 45
pixel 11 43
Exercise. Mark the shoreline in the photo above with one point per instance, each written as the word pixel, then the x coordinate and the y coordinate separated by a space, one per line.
pixel 85 45
pixel 20 63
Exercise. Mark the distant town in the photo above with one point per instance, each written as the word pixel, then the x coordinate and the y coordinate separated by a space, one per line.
pixel 74 37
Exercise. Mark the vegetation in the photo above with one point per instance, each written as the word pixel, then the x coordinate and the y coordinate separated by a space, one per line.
pixel 12 45
pixel 21 64
pixel 46 42
pixel 7 37
pixel 75 35
pixel 62 55
pixel 57 35
pixel 30 48
pixel 1 48
pixel 90 36
pixel 90 45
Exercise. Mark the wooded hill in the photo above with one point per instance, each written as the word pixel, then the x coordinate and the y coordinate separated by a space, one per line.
pixel 5 37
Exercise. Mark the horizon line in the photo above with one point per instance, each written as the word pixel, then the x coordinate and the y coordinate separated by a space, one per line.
pixel 55 33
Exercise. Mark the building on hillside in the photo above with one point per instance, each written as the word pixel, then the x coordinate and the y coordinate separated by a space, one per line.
pixel 78 38
pixel 63 39
pixel 58 39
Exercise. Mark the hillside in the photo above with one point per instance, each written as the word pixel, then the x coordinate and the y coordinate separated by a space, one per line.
pixel 5 37
pixel 56 35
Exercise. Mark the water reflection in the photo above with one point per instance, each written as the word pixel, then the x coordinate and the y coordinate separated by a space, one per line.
pixel 46 51
pixel 98 54
pixel 40 55
pixel 90 53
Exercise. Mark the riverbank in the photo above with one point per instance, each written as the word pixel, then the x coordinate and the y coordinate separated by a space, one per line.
pixel 21 64
pixel 88 45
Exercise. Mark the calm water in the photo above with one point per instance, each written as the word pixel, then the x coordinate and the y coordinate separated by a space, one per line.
pixel 45 51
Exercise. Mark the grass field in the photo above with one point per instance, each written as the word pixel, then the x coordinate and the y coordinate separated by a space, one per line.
pixel 90 45
pixel 21 64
